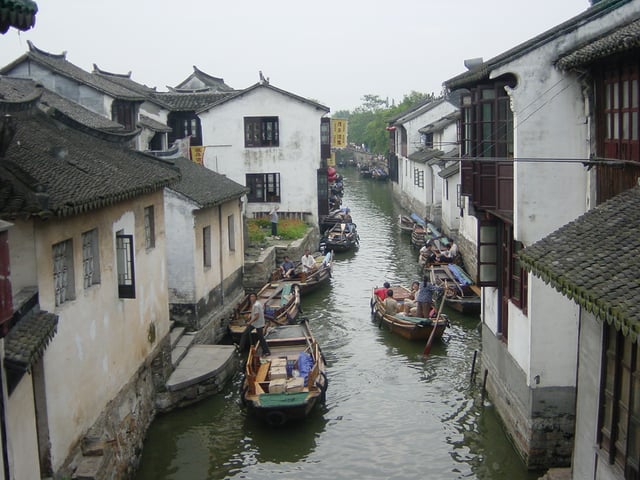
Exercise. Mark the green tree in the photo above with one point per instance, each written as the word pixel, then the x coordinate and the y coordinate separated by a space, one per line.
pixel 368 122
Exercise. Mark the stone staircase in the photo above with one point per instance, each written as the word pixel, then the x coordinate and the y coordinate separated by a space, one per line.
pixel 199 370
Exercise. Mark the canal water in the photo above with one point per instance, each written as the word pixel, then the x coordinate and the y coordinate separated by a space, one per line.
pixel 389 414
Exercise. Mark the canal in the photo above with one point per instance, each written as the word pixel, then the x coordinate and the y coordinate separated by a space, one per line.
pixel 390 414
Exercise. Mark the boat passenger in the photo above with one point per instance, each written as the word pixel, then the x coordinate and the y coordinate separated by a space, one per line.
pixel 410 305
pixel 449 256
pixel 287 267
pixel 382 292
pixel 308 262
pixel 390 303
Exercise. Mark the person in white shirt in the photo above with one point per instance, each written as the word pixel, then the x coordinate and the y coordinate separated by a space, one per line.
pixel 308 262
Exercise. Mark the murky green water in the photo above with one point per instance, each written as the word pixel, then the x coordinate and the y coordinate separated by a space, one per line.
pixel 389 413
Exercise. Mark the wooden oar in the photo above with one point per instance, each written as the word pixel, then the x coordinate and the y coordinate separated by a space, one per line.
pixel 434 326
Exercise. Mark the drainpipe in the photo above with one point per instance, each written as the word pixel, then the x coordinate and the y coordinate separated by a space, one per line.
pixel 220 249
pixel 3 421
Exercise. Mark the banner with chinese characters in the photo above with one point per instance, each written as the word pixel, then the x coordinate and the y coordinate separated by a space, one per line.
pixel 338 132
pixel 197 154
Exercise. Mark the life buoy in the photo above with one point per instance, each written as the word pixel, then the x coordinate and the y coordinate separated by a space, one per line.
pixel 275 418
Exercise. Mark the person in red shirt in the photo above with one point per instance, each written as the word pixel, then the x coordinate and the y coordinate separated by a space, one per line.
pixel 382 292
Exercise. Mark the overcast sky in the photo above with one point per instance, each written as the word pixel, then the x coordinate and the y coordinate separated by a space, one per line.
pixel 333 51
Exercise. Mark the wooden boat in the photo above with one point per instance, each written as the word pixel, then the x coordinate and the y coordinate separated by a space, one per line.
pixel 418 235
pixel 287 384
pixel 308 282
pixel 411 328
pixel 336 216
pixel 340 238
pixel 281 303
pixel 380 174
pixel 463 295
pixel 406 223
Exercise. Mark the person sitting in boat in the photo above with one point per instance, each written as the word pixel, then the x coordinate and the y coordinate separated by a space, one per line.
pixel 427 255
pixel 424 297
pixel 347 216
pixel 410 305
pixel 382 292
pixel 390 303
pixel 449 256
pixel 288 267
pixel 308 262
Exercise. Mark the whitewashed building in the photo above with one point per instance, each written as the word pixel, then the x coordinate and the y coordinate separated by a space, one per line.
pixel 532 130
pixel 422 137
pixel 89 249
pixel 268 140
pixel 205 245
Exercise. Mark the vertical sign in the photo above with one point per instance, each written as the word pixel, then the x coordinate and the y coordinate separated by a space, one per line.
pixel 197 154
pixel 338 132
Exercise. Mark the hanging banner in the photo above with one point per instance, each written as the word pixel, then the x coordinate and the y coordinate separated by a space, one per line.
pixel 197 155
pixel 338 132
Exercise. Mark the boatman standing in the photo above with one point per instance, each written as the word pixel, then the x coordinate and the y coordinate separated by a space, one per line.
pixel 256 321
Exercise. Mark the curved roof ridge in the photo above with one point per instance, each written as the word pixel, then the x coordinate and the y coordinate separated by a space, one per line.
pixel 33 48
pixel 98 70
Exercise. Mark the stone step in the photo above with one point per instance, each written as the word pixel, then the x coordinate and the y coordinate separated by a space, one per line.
pixel 181 348
pixel 175 335
pixel 200 363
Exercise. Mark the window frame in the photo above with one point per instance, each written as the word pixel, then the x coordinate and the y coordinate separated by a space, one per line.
pixel 149 227
pixel 125 265
pixel 263 187
pixel 261 132
pixel 206 247
pixel 90 258
pixel 620 371
pixel 63 272
pixel 231 231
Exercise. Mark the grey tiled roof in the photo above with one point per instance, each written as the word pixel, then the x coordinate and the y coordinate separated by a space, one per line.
pixel 215 84
pixel 441 123
pixel 415 110
pixel 595 261
pixel 152 124
pixel 79 171
pixel 450 170
pixel 482 72
pixel 619 39
pixel 253 87
pixel 205 186
pixel 184 102
pixel 59 64
pixel 16 89
pixel 426 154
pixel 26 341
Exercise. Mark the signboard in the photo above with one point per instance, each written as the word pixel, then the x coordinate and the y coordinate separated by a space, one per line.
pixel 338 132
pixel 197 154
pixel 331 162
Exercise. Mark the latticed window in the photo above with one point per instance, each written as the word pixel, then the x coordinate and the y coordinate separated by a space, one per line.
pixel 620 402
pixel 90 258
pixel 206 246
pixel 263 187
pixel 261 132
pixel 231 225
pixel 63 272
pixel 149 227
pixel 125 266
